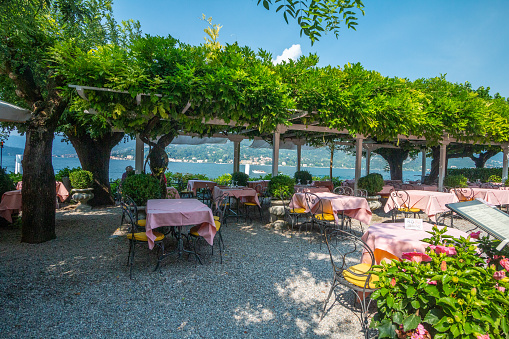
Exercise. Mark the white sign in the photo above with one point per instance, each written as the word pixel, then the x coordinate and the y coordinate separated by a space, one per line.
pixel 413 224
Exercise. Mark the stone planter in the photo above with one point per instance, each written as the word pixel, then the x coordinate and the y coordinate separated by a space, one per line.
pixel 82 196
pixel 277 212
pixel 374 202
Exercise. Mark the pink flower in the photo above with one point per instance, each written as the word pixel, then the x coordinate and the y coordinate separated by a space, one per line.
pixel 416 256
pixel 431 282
pixel 500 288
pixel 505 263
pixel 419 333
pixel 450 251
pixel 475 235
pixel 499 275
pixel 443 265
pixel 483 336
pixel 393 282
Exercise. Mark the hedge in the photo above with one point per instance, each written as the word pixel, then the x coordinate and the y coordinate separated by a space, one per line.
pixel 475 173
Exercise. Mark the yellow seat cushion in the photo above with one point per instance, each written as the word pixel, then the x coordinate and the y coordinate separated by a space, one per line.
pixel 360 280
pixel 216 217
pixel 142 236
pixel 250 204
pixel 142 222
pixel 298 210
pixel 325 216
pixel 218 224
pixel 194 230
pixel 409 210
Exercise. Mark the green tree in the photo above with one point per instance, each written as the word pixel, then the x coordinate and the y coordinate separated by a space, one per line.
pixel 317 16
pixel 28 32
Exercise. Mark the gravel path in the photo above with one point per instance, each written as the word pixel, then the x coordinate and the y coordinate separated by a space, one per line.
pixel 270 285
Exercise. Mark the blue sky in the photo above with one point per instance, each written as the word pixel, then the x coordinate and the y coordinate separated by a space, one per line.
pixel 467 40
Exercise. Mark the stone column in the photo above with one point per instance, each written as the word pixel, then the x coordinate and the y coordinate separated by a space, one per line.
pixel 236 151
pixel 358 158
pixel 442 164
pixel 505 159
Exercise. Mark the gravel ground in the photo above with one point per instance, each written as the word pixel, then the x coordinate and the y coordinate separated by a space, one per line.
pixel 270 285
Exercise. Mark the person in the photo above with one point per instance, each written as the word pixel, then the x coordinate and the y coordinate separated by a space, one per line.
pixel 128 171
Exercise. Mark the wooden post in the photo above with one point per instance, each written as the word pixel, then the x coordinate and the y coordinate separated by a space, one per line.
pixel 505 158
pixel 275 152
pixel 442 164
pixel 358 158
pixel 139 156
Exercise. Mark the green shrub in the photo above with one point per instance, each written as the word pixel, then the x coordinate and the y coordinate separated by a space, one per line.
pixel 6 183
pixel 495 178
pixel 65 172
pixel 373 183
pixel 473 174
pixel 455 181
pixel 506 183
pixel 335 180
pixel 224 179
pixel 114 186
pixel 141 187
pixel 304 177
pixel 81 179
pixel 451 291
pixel 240 178
pixel 183 178
pixel 16 177
pixel 281 185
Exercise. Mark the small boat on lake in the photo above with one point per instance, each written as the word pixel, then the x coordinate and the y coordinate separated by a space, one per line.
pixel 259 172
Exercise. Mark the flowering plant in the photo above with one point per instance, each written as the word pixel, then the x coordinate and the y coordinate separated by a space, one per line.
pixel 451 291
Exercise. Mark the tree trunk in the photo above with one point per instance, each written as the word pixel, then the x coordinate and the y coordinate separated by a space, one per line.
pixel 94 155
pixel 435 165
pixel 39 194
pixel 395 158
pixel 480 161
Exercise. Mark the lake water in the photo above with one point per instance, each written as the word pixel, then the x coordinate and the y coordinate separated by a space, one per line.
pixel 117 167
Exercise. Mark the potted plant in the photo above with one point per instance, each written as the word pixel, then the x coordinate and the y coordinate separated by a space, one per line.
pixel 372 183
pixel 240 178
pixel 279 186
pixel 303 177
pixel 81 181
pixel 140 188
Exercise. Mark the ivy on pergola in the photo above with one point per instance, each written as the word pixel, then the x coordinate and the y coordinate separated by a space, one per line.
pixel 162 87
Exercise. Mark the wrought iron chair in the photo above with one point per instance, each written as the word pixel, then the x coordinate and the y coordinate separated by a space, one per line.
pixel 464 193
pixel 249 204
pixel 135 236
pixel 318 216
pixel 205 195
pixel 359 192
pixel 343 190
pixel 219 220
pixel 345 250
pixel 293 214
pixel 134 210
pixel 401 200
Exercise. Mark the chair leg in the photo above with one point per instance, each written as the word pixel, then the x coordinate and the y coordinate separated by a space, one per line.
pixel 333 285
pixel 131 264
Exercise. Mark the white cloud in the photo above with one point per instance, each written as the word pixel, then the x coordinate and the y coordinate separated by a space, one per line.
pixel 293 53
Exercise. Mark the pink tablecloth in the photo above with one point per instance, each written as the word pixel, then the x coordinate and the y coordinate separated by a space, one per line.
pixel 243 194
pixel 62 192
pixel 310 189
pixel 179 212
pixel 429 202
pixel 193 185
pixel 11 203
pixel 355 207
pixel 395 239
pixel 172 193
pixel 493 196
pixel 386 190
pixel 327 184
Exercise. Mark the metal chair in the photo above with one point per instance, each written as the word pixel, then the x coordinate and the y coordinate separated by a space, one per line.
pixel 292 214
pixel 219 220
pixel 258 189
pixel 318 216
pixel 464 193
pixel 205 195
pixel 135 236
pixel 359 192
pixel 345 250
pixel 343 190
pixel 134 210
pixel 401 200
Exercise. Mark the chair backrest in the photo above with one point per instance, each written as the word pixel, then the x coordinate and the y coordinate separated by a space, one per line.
pixel 464 193
pixel 345 251
pixel 258 188
pixel 401 199
pixel 359 192
pixel 314 203
pixel 129 217
pixel 344 190
pixel 132 207
pixel 221 206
